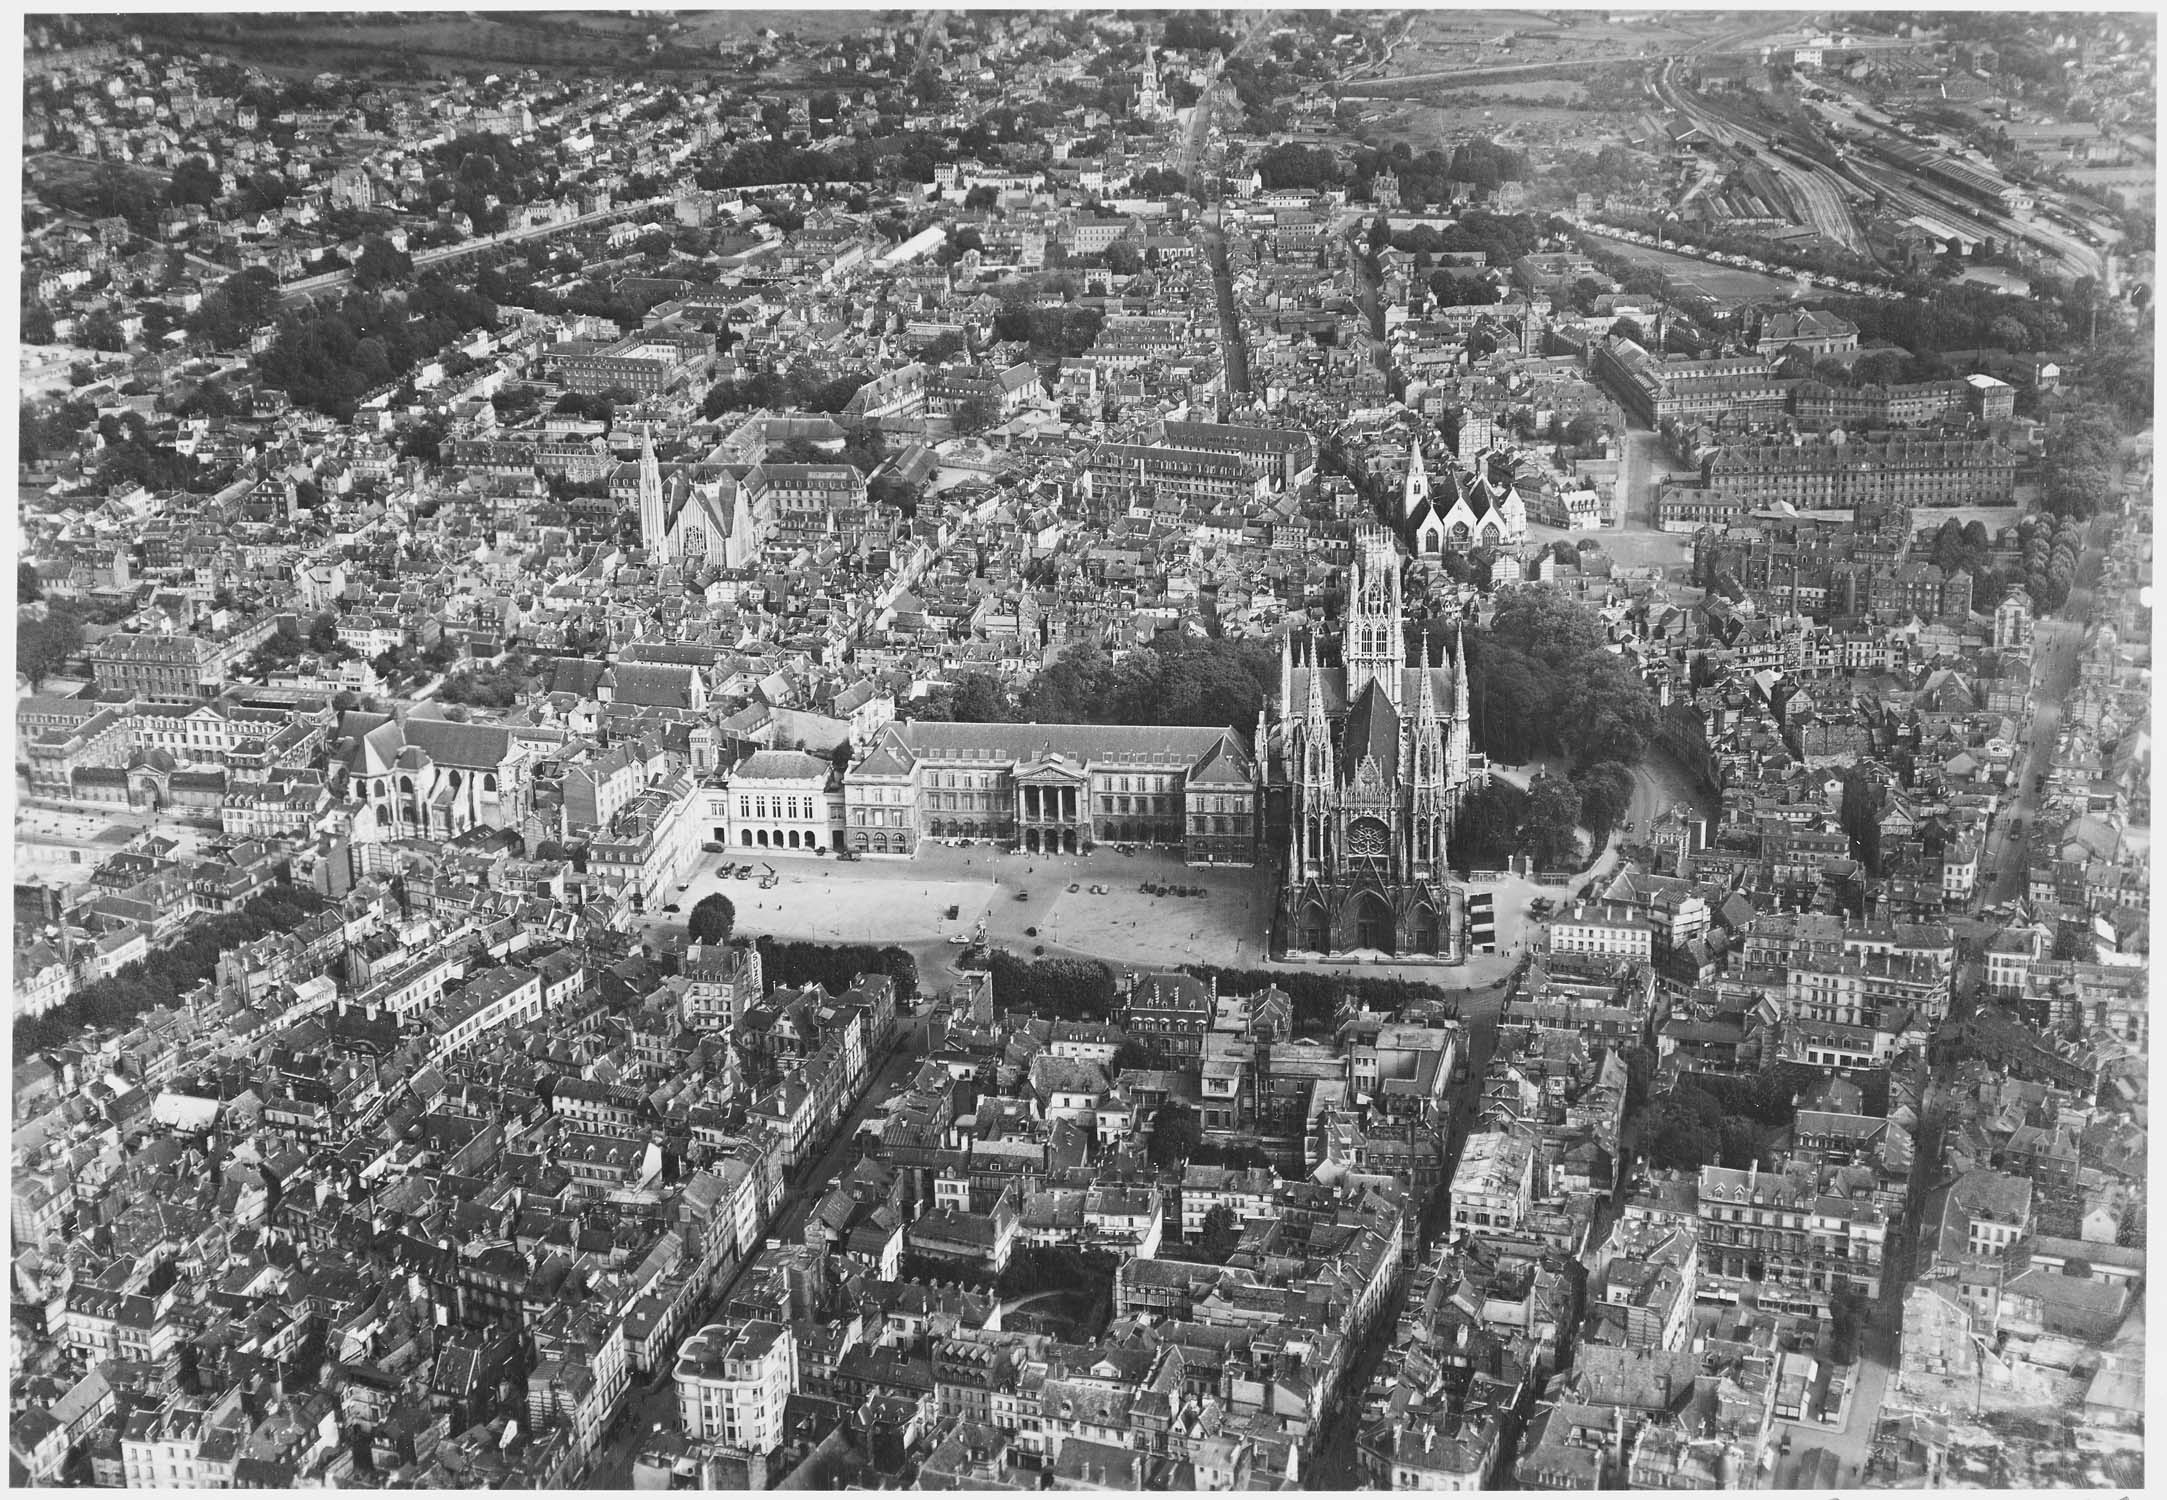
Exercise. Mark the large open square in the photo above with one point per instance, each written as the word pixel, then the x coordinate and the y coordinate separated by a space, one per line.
pixel 1092 904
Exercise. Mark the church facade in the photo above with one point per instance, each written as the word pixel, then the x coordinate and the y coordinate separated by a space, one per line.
pixel 1369 756
pixel 1475 506
pixel 719 515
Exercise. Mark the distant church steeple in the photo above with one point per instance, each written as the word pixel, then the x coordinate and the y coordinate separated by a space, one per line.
pixel 1150 104
pixel 1417 488
pixel 654 533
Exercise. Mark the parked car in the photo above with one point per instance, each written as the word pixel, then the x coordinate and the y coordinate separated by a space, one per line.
pixel 672 907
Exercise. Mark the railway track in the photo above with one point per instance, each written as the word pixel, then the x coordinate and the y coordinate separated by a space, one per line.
pixel 1819 197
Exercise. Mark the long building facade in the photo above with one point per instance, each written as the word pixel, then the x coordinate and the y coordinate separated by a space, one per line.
pixel 1866 477
pixel 1055 789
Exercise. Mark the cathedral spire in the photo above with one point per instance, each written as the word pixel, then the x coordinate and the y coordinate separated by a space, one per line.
pixel 1459 672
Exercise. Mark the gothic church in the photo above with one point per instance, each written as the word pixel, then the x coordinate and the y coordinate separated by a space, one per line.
pixel 1371 756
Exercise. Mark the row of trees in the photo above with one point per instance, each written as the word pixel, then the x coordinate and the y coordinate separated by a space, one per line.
pixel 800 390
pixel 2053 547
pixel 1453 289
pixel 1502 238
pixel 1957 316
pixel 835 966
pixel 167 973
pixel 2077 467
pixel 1178 680
pixel 1061 989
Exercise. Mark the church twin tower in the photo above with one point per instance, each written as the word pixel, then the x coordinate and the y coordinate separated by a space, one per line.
pixel 1373 754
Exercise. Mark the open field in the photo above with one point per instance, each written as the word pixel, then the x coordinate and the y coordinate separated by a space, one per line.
pixel 1424 125
pixel 1719 280
pixel 300 44
pixel 707 28
pixel 1671 551
pixel 1479 38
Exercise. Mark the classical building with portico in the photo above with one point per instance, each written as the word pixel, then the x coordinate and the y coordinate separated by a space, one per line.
pixel 1054 789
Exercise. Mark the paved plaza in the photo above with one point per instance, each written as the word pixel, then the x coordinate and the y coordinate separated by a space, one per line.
pixel 1107 914
pixel 906 902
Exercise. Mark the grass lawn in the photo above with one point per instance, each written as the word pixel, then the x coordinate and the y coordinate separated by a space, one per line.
pixel 1445 39
pixel 1719 280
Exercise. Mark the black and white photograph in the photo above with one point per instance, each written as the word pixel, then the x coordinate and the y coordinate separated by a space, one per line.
pixel 1018 748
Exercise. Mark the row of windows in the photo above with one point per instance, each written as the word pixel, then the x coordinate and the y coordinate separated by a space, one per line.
pixel 782 807
pixel 967 802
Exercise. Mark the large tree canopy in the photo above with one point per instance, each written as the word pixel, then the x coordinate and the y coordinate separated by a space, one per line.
pixel 1544 679
pixel 1176 681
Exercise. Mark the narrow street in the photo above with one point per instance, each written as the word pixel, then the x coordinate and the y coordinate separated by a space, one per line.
pixel 1233 348
pixel 652 1403
pixel 1332 1465
pixel 2055 643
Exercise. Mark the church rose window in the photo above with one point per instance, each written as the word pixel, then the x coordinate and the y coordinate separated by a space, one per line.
pixel 1366 840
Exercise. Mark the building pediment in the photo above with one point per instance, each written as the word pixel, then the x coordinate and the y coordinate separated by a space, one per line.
pixel 1050 770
